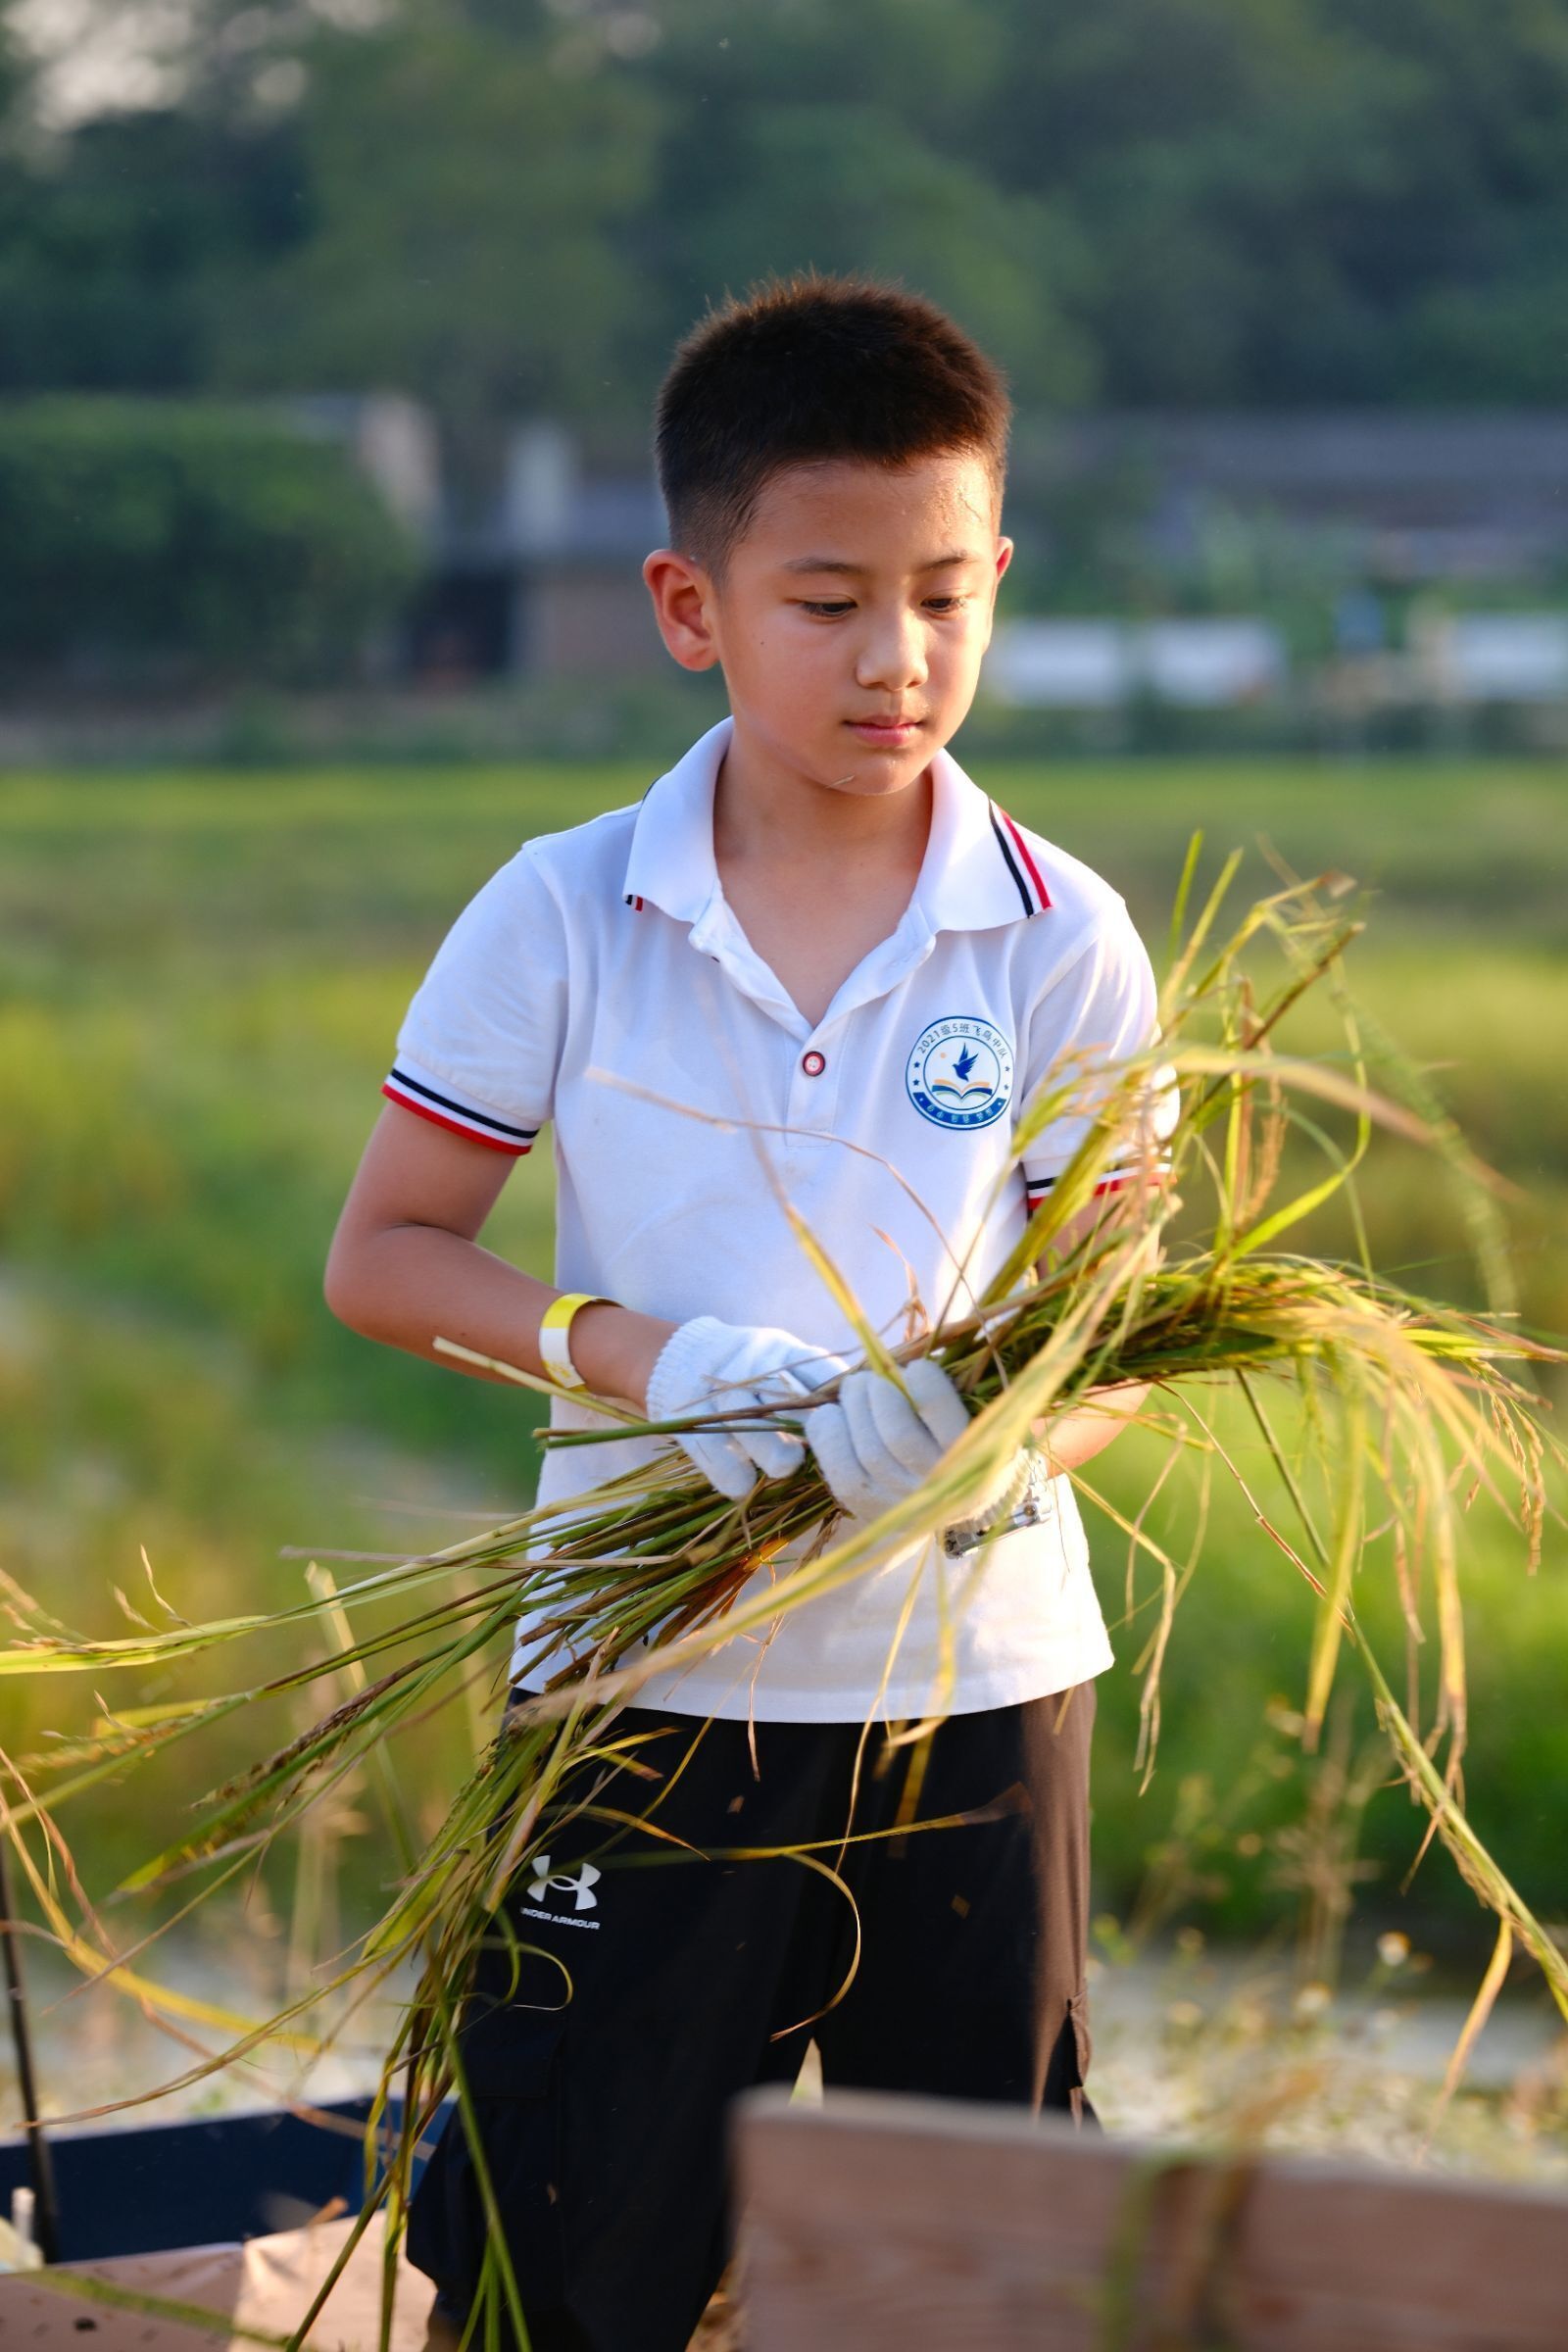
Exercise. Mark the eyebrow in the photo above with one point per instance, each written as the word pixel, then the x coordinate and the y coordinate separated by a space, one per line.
pixel 838 563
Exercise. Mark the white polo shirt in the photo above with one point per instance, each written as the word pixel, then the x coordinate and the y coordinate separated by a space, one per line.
pixel 600 983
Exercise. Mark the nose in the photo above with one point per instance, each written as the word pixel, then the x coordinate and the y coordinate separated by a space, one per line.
pixel 893 651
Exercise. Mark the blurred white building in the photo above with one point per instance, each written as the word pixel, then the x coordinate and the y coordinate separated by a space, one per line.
pixel 1099 664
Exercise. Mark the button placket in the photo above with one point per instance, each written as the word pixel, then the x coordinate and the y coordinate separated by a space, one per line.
pixel 813 1095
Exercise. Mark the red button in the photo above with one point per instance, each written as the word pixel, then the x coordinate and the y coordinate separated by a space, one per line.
pixel 814 1064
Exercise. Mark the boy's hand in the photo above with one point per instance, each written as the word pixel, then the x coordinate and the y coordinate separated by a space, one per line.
pixel 708 1365
pixel 875 1446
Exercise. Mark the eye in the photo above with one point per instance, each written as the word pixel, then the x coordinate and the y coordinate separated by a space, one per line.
pixel 826 611
pixel 946 604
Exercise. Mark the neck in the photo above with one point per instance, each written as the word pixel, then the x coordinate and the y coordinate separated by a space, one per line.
pixel 764 806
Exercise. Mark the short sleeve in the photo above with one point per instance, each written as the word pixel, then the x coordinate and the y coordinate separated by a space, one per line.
pixel 1100 1010
pixel 479 1046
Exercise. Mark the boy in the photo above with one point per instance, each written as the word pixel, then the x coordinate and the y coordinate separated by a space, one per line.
pixel 816 963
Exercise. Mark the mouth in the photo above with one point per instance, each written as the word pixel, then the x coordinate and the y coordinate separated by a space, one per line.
pixel 884 733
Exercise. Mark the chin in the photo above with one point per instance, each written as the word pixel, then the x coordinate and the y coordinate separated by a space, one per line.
pixel 878 776
pixel 877 769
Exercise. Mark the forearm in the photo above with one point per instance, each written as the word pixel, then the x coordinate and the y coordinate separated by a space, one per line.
pixel 1074 1438
pixel 408 1284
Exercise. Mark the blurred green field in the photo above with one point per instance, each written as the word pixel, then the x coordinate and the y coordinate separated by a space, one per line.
pixel 200 981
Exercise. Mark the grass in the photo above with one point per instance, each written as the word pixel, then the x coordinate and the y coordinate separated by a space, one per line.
pixel 200 979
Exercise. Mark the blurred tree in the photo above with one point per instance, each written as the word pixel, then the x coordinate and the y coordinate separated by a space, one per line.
pixel 193 540
pixel 799 133
pixel 471 186
pixel 1296 200
pixel 1476 272
pixel 845 187
pixel 1217 155
pixel 122 247
pixel 506 205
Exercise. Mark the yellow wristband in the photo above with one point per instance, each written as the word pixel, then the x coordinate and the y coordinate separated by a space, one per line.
pixel 554 1337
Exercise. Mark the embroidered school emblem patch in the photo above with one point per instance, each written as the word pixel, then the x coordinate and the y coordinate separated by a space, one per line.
pixel 961 1072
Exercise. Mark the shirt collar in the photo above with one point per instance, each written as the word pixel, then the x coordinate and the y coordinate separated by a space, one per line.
pixel 978 871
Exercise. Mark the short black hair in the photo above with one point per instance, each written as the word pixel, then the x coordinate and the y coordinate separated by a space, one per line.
pixel 805 369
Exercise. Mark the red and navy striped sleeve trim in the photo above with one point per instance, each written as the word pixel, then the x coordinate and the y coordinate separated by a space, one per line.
pixel 443 1111
pixel 1116 1180
pixel 1019 861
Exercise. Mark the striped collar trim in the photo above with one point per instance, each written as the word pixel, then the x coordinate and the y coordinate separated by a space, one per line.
pixel 1019 861
pixel 980 868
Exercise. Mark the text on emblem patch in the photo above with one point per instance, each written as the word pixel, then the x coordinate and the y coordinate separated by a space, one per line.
pixel 959 1073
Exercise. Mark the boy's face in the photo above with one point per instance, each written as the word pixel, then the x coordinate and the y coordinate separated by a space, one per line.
pixel 851 618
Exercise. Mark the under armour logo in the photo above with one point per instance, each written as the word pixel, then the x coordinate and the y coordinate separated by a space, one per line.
pixel 581 1882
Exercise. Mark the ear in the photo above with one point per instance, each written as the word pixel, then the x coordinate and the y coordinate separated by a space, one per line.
pixel 1003 559
pixel 683 606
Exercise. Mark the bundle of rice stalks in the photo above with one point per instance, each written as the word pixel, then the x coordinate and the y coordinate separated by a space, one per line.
pixel 1400 1410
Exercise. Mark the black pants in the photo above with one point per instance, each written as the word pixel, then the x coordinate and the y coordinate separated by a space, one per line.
pixel 601 2100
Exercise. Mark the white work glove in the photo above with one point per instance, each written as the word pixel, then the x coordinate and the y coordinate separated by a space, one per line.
pixel 874 1444
pixel 707 1366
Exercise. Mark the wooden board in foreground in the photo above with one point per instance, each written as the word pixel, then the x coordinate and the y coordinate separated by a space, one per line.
pixel 265 2285
pixel 898 2225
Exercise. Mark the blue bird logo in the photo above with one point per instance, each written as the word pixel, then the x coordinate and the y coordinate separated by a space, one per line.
pixel 964 1088
pixel 960 1072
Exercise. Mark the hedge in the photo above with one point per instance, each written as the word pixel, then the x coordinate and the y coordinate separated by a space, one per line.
pixel 190 540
